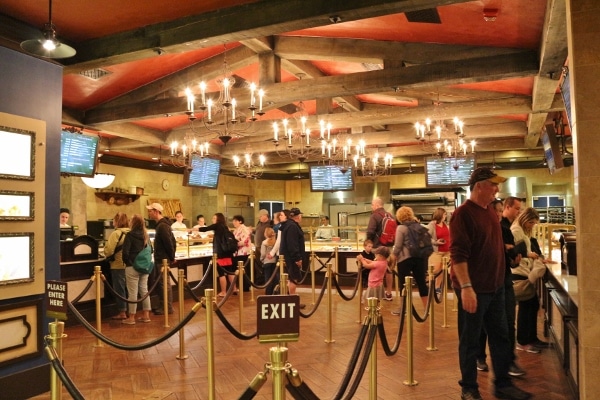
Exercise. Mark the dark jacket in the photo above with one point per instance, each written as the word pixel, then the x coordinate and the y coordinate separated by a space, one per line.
pixel 164 242
pixel 292 241
pixel 218 238
pixel 132 245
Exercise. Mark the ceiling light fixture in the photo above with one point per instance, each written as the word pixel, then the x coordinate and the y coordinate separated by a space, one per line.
pixel 375 165
pixel 99 181
pixel 295 135
pixel 247 167
pixel 48 46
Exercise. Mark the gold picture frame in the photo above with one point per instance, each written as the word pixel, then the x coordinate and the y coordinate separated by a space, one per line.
pixel 17 205
pixel 16 257
pixel 21 142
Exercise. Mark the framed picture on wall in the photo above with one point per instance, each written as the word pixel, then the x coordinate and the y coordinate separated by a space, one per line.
pixel 21 326
pixel 16 257
pixel 16 206
pixel 17 153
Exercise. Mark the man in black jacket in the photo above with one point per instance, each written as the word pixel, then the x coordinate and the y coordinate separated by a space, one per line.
pixel 292 247
pixel 164 248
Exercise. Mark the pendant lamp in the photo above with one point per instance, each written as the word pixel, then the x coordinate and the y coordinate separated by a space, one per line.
pixel 48 46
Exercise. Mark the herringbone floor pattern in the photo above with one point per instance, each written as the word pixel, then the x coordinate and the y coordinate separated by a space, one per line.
pixel 103 373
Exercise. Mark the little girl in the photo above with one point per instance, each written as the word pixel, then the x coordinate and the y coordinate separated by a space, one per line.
pixel 378 268
pixel 268 263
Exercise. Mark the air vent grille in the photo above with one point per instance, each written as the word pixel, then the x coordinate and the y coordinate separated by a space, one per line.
pixel 95 73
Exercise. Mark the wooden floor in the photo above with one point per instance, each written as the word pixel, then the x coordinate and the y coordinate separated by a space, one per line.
pixel 103 373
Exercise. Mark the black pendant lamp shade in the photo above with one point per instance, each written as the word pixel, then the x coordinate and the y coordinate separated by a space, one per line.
pixel 48 46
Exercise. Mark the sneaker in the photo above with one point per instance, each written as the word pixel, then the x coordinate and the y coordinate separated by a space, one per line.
pixel 528 348
pixel 482 366
pixel 511 392
pixel 515 370
pixel 438 290
pixel 388 296
pixel 397 312
pixel 470 394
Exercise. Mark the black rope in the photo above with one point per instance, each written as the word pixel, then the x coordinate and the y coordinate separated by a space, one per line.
pixel 205 277
pixel 301 392
pixel 119 346
pixel 85 290
pixel 319 299
pixel 363 363
pixel 353 358
pixel 62 373
pixel 231 329
pixel 125 299
pixel 341 292
pixel 269 281
pixel 382 336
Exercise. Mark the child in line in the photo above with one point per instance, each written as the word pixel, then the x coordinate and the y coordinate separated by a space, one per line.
pixel 367 254
pixel 377 268
pixel 268 263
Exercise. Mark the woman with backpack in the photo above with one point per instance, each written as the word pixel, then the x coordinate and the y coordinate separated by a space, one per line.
pixel 221 249
pixel 135 241
pixel 405 262
pixel 114 254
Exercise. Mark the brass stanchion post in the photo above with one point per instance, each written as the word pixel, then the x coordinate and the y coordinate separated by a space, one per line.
pixel 409 332
pixel 431 346
pixel 252 258
pixel 360 291
pixel 210 343
pixel 215 271
pixel 240 272
pixel 445 292
pixel 373 314
pixel 180 285
pixel 278 357
pixel 336 256
pixel 165 293
pixel 56 335
pixel 282 283
pixel 329 306
pixel 311 263
pixel 98 281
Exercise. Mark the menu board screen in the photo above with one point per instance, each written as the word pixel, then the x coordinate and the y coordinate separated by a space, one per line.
pixel 448 172
pixel 78 154
pixel 204 173
pixel 329 178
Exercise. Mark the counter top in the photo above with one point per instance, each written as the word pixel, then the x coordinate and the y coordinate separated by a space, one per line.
pixel 568 282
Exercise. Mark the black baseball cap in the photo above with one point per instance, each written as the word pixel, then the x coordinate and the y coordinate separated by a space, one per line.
pixel 295 211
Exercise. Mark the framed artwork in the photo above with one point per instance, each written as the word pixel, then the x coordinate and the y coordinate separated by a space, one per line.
pixel 19 143
pixel 16 206
pixel 21 325
pixel 16 257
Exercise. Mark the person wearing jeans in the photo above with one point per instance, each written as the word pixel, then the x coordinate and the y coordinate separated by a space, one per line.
pixel 137 283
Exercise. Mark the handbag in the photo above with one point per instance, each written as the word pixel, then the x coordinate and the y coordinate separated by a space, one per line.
pixel 524 290
pixel 143 261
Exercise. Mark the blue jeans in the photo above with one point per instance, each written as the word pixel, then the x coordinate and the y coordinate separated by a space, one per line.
pixel 137 284
pixel 491 316
pixel 118 282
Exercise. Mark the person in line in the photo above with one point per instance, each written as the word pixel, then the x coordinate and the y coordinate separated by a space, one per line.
pixel 373 232
pixel 64 218
pixel 507 213
pixel 440 239
pixel 243 235
pixel 325 230
pixel 377 269
pixel 164 249
pixel 224 257
pixel 259 234
pixel 113 247
pixel 268 264
pixel 178 227
pixel 137 283
pixel 367 254
pixel 292 248
pixel 405 262
pixel 532 268
pixel 478 273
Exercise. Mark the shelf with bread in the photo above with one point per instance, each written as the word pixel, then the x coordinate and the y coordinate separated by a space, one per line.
pixel 193 245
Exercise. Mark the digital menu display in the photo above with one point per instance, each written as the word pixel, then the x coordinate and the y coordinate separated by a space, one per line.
pixel 448 172
pixel 329 178
pixel 204 173
pixel 78 154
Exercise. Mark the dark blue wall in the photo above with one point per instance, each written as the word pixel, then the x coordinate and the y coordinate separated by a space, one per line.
pixel 32 88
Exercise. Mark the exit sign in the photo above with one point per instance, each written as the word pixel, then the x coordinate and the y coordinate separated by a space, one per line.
pixel 278 318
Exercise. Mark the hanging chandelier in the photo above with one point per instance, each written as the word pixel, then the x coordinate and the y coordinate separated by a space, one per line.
pixel 437 138
pixel 247 167
pixel 295 136
pixel 220 114
pixel 374 166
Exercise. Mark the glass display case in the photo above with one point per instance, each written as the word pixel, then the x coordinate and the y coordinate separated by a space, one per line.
pixel 194 245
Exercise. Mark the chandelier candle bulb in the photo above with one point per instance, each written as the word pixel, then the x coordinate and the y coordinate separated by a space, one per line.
pixel 203 93
pixel 209 110
pixel 275 132
pixel 190 100
pixel 233 104
pixel 307 137
pixel 226 99
pixel 261 94
pixel 252 98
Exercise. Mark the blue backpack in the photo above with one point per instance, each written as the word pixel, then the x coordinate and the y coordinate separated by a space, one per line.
pixel 419 240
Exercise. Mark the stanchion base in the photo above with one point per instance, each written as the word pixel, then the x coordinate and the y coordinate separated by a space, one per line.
pixel 445 326
pixel 410 383
pixel 98 345
pixel 431 348
pixel 184 357
pixel 329 341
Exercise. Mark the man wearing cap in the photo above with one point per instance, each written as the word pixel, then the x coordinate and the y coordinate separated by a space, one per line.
pixel 259 233
pixel 292 247
pixel 478 271
pixel 164 248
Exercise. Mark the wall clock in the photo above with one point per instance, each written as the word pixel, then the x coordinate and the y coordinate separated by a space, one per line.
pixel 165 184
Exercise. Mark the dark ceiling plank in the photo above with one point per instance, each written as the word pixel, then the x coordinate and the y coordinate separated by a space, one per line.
pixel 376 51
pixel 474 70
pixel 259 19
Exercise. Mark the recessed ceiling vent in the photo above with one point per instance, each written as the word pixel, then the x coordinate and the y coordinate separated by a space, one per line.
pixel 95 73
pixel 428 15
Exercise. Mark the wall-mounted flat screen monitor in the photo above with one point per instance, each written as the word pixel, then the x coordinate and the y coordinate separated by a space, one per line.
pixel 551 149
pixel 204 172
pixel 443 172
pixel 565 91
pixel 78 154
pixel 329 178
